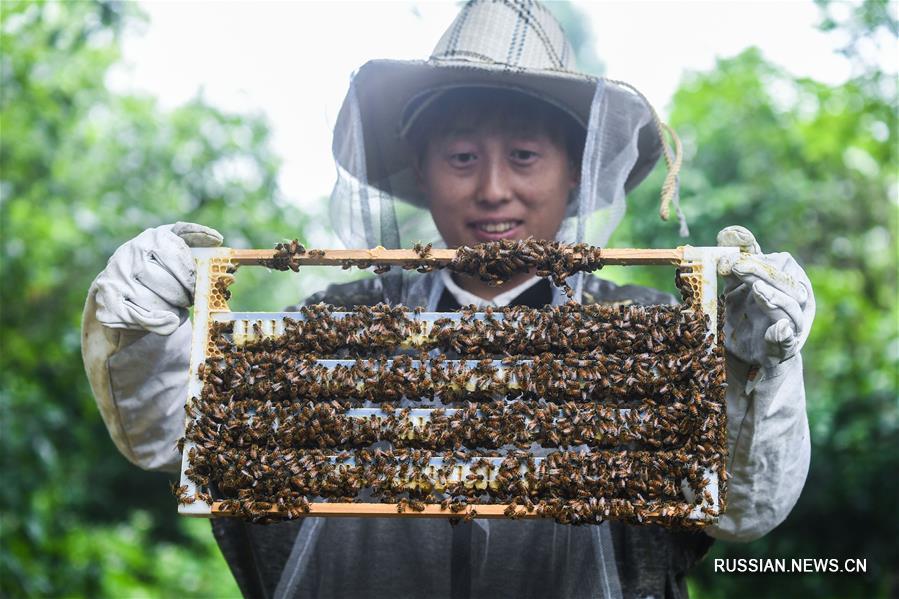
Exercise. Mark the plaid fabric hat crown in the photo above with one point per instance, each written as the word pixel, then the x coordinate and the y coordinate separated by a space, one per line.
pixel 519 33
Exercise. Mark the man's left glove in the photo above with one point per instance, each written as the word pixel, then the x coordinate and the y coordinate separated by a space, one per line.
pixel 148 284
pixel 768 300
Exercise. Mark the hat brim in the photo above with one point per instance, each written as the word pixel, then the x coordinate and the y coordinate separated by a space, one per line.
pixel 385 87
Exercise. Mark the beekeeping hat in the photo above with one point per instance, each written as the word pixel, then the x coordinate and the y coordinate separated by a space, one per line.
pixel 510 44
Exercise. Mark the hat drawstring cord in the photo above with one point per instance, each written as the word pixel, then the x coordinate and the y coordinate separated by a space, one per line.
pixel 671 185
pixel 673 161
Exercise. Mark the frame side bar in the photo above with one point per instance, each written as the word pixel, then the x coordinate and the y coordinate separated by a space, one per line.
pixel 200 335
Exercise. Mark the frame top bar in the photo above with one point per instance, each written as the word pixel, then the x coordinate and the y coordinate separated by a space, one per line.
pixel 380 255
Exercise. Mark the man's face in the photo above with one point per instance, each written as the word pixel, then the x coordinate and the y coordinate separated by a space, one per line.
pixel 484 184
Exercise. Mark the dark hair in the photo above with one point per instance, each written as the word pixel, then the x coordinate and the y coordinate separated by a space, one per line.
pixel 510 110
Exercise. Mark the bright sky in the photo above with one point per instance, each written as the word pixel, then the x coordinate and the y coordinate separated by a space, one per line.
pixel 292 60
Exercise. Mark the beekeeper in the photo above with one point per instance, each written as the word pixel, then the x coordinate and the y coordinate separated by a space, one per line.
pixel 496 136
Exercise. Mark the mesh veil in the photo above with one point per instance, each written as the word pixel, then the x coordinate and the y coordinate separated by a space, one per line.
pixel 365 216
pixel 600 205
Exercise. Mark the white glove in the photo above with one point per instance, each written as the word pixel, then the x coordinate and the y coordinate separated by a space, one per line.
pixel 768 300
pixel 148 284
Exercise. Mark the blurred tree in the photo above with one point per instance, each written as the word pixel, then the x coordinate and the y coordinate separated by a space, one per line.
pixel 864 26
pixel 81 171
pixel 811 169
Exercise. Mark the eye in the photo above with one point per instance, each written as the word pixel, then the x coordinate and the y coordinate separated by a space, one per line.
pixel 462 158
pixel 524 156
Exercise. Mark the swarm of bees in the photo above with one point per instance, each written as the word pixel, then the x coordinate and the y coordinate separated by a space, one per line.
pixel 578 413
pixel 494 262
pixel 333 332
pixel 286 255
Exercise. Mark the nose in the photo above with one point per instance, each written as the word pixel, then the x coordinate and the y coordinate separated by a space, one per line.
pixel 494 185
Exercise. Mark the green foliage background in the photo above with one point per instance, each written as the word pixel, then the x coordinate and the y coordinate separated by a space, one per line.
pixel 810 168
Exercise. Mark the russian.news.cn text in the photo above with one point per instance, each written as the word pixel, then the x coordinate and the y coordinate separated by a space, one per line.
pixel 809 565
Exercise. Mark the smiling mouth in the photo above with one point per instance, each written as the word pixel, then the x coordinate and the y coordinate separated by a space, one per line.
pixel 497 227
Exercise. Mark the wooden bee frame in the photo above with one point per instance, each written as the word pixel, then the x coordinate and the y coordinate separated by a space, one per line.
pixel 215 272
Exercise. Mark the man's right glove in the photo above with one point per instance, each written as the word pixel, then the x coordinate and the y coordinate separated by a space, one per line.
pixel 148 284
pixel 770 305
